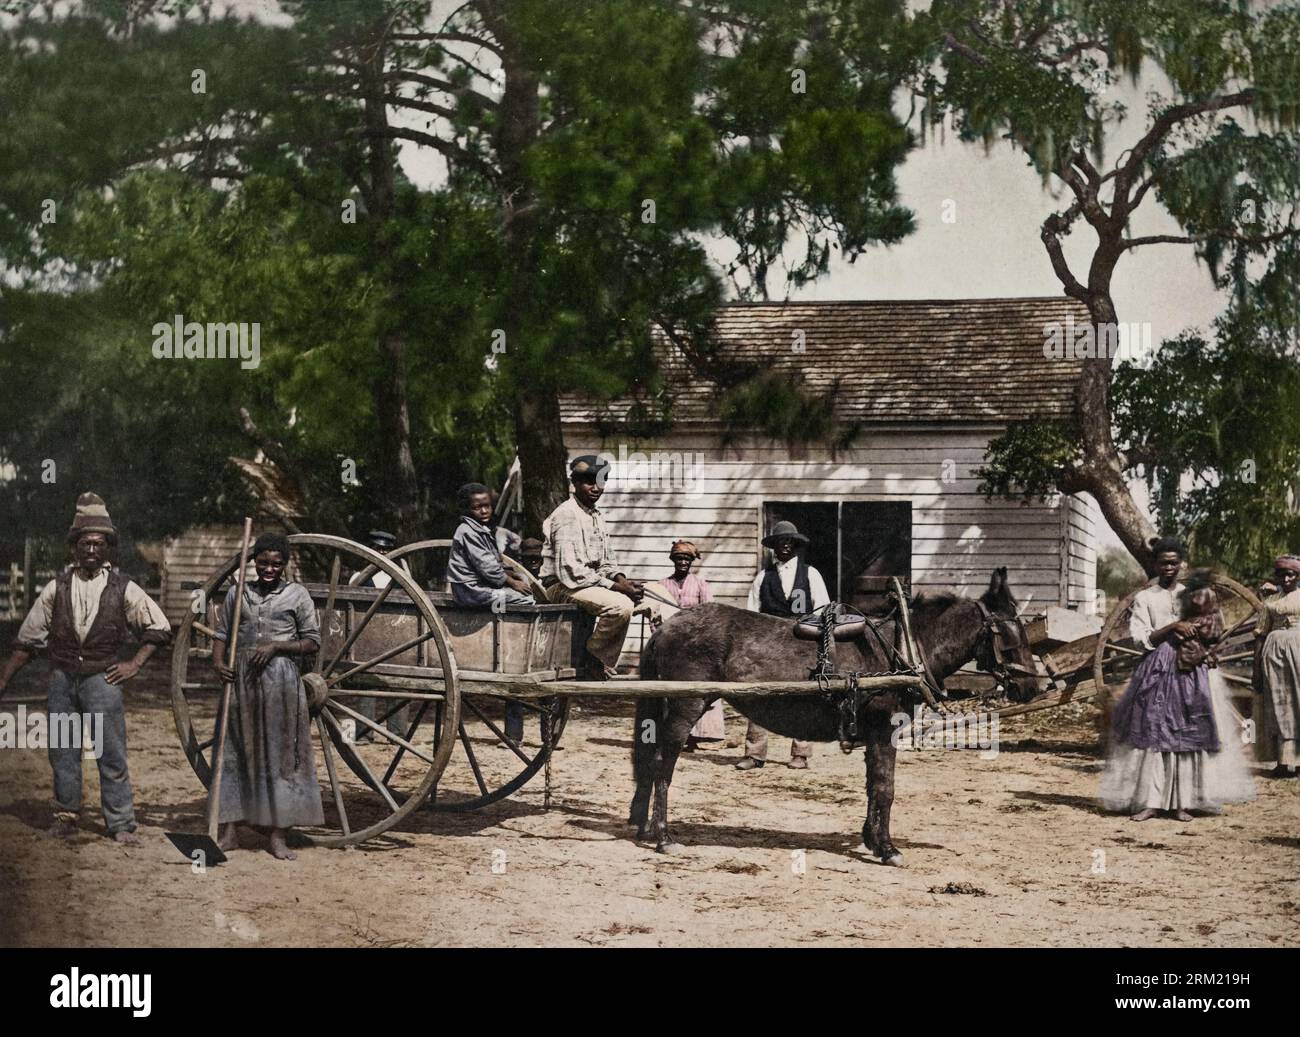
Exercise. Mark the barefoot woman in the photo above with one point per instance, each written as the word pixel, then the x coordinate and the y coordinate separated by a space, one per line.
pixel 269 776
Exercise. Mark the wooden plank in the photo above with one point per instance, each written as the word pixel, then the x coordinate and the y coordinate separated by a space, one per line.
pixel 674 689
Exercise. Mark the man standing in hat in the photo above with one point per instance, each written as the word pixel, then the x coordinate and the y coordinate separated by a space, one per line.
pixel 81 618
pixel 578 564
pixel 788 587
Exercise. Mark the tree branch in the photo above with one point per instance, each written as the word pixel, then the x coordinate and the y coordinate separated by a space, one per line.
pixel 456 37
pixel 1166 121
pixel 965 50
pixel 452 151
pixel 1053 228
pixel 420 106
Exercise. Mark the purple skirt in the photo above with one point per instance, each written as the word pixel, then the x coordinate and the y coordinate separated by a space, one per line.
pixel 1164 709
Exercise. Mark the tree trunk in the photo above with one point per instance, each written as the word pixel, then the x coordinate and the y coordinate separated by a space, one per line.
pixel 399 487
pixel 1102 471
pixel 539 436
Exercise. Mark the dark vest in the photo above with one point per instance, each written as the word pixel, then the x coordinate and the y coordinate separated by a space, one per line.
pixel 773 603
pixel 99 650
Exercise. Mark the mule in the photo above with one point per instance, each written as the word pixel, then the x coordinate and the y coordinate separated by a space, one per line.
pixel 716 642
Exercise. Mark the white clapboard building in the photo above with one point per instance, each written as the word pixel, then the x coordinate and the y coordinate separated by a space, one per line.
pixel 925 384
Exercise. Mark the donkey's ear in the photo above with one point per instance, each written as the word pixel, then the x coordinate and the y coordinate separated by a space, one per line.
pixel 998 592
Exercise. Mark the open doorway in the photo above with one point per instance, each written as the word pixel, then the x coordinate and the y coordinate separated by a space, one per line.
pixel 856 545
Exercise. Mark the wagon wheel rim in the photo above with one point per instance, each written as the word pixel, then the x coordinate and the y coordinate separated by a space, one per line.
pixel 364 797
pixel 551 715
pixel 398 554
pixel 490 766
pixel 1115 655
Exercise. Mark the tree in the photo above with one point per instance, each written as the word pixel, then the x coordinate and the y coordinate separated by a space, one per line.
pixel 1221 420
pixel 1036 74
pixel 604 138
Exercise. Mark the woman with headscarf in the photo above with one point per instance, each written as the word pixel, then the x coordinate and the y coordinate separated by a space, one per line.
pixel 1174 747
pixel 269 776
pixel 1277 669
pixel 689 590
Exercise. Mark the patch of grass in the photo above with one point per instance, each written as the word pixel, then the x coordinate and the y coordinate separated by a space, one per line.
pixel 738 868
pixel 622 928
pixel 966 888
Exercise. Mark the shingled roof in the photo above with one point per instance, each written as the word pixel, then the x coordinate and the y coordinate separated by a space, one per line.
pixel 923 360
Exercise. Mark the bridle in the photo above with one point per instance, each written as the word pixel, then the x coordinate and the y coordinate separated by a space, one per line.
pixel 993 655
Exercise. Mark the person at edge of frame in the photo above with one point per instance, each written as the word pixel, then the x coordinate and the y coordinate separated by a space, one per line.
pixel 80 620
pixel 787 587
pixel 1277 670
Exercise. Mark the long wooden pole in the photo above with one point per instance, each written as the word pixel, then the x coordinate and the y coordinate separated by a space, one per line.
pixel 676 689
pixel 232 660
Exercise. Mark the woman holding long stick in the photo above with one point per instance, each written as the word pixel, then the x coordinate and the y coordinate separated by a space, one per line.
pixel 269 774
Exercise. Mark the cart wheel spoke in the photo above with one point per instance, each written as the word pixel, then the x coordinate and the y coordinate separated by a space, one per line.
pixel 328 753
pixel 410 736
pixel 357 630
pixel 473 760
pixel 514 746
pixel 384 656
pixel 372 781
pixel 335 566
pixel 382 731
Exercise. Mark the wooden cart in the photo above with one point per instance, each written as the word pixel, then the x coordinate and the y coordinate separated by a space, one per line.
pixel 433 676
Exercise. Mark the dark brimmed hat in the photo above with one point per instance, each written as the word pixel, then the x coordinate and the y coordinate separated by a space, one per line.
pixel 92 517
pixel 589 464
pixel 784 531
pixel 379 538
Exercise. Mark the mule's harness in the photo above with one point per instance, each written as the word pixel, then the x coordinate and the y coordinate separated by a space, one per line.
pixel 904 655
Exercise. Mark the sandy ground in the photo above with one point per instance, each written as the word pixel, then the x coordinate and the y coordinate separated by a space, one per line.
pixel 1004 852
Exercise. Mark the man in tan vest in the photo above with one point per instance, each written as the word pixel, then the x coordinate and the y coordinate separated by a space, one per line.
pixel 80 620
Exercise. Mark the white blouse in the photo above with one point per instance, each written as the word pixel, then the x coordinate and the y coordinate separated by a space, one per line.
pixel 1153 608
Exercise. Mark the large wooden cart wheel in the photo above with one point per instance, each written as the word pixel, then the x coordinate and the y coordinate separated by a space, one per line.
pixel 1116 655
pixel 362 628
pixel 495 765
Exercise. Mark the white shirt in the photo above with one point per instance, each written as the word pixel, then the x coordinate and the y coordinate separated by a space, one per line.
pixel 142 612
pixel 1153 608
pixel 786 572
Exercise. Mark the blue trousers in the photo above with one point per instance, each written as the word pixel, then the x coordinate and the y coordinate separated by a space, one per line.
pixel 72 693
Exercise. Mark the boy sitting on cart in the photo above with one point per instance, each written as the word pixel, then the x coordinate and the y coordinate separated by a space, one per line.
pixel 474 569
pixel 477 577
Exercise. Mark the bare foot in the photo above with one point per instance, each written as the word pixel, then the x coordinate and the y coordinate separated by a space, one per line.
pixel 1182 815
pixel 228 837
pixel 279 848
pixel 62 829
pixel 126 838
pixel 1145 815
